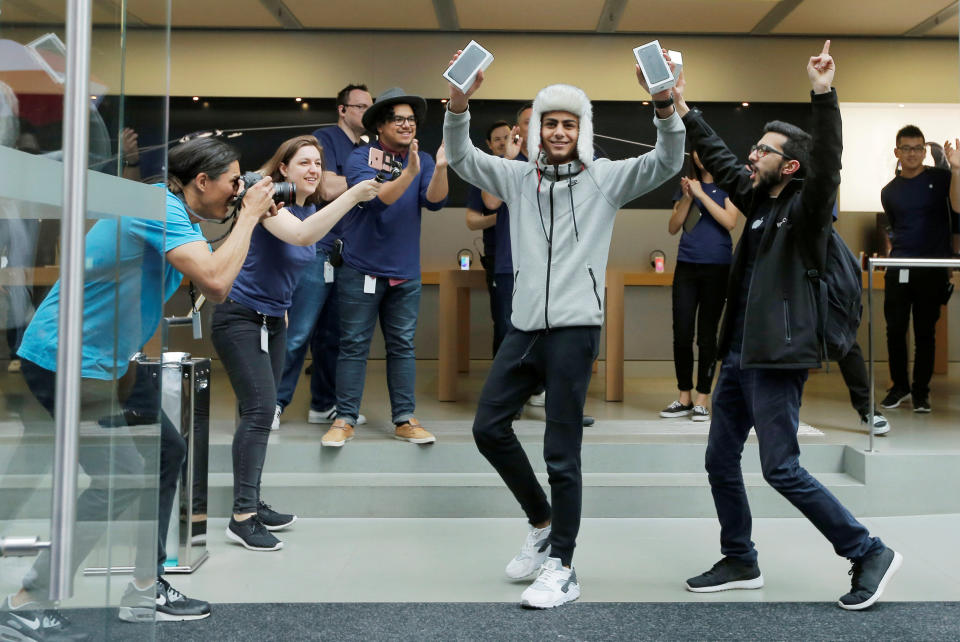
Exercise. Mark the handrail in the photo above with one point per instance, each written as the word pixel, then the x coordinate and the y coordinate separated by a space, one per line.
pixel 76 130
pixel 872 263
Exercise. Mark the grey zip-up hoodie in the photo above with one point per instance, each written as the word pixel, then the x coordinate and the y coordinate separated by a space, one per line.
pixel 561 217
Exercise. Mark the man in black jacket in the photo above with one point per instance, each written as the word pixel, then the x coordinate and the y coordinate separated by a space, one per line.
pixel 768 338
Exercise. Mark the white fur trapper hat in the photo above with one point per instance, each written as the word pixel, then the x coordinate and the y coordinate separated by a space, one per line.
pixel 562 98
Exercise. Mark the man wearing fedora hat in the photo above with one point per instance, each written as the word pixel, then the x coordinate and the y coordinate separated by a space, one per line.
pixel 380 274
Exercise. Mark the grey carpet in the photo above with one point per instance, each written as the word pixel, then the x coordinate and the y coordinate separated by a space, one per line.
pixel 578 621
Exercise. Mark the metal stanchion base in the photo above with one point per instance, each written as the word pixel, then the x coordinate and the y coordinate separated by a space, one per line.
pixel 189 568
pixel 128 570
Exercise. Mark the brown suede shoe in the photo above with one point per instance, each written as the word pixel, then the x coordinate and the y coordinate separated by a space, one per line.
pixel 413 432
pixel 340 433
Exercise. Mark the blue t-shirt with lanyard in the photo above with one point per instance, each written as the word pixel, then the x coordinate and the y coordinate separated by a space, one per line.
pixel 126 281
pixel 919 214
pixel 337 148
pixel 503 261
pixel 272 268
pixel 708 241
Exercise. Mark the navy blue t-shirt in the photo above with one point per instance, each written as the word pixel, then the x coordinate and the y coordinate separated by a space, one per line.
pixel 918 212
pixel 337 148
pixel 503 260
pixel 750 243
pixel 272 268
pixel 708 241
pixel 384 240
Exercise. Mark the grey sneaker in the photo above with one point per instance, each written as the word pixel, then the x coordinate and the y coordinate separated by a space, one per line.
pixel 870 578
pixel 700 413
pixel 555 585
pixel 532 555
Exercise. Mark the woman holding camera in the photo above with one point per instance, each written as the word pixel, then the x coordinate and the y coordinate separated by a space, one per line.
pixel 705 214
pixel 249 332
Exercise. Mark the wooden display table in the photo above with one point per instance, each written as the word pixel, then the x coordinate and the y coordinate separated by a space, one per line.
pixel 453 327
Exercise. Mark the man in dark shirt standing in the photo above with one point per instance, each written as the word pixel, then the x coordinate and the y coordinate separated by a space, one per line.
pixel 921 225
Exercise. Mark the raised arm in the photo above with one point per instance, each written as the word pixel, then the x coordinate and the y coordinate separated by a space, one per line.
pixel 290 229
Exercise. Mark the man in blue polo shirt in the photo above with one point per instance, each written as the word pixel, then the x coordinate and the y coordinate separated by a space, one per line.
pixel 921 224
pixel 313 317
pixel 380 275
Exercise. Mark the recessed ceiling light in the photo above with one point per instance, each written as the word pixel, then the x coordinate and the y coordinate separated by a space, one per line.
pixel 196 98
pixel 745 104
pixel 298 99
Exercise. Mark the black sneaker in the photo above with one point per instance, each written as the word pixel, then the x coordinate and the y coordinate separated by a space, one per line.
pixel 588 421
pixel 895 397
pixel 921 404
pixel 728 573
pixel 253 535
pixel 273 520
pixel 137 604
pixel 676 409
pixel 870 578
pixel 32 621
pixel 174 606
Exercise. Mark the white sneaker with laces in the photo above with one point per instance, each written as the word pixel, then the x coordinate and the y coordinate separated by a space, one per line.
pixel 327 416
pixel 538 400
pixel 533 553
pixel 881 425
pixel 276 418
pixel 555 585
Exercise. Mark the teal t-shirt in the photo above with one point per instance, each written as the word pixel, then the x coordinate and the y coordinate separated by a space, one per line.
pixel 126 282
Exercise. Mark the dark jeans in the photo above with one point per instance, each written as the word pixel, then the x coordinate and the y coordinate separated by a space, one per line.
pixel 254 375
pixel 923 295
pixel 770 401
pixel 854 371
pixel 561 360
pixel 501 307
pixel 699 290
pixel 121 467
pixel 397 307
pixel 313 321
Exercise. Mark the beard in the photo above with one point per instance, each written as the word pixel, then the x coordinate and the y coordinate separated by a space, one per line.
pixel 765 180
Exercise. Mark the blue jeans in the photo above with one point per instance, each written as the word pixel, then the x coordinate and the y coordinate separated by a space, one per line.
pixel 313 313
pixel 397 308
pixel 769 400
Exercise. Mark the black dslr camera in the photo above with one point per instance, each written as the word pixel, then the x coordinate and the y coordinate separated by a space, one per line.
pixel 282 192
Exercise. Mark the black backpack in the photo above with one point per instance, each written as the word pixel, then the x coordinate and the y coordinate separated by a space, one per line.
pixel 839 298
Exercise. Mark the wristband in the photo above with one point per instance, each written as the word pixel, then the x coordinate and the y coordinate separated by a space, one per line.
pixel 663 104
pixel 129 164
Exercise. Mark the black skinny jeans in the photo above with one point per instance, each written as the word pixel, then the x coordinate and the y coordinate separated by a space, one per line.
pixel 254 375
pixel 923 294
pixel 561 360
pixel 699 290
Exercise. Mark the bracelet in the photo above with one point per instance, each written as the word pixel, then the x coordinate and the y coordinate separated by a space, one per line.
pixel 129 164
pixel 663 104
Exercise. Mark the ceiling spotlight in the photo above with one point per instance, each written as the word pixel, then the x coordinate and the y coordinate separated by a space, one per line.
pixel 745 104
pixel 645 102
pixel 443 101
pixel 298 99
pixel 196 98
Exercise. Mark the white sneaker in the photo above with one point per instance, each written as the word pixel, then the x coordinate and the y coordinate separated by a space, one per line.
pixel 327 416
pixel 881 425
pixel 555 585
pixel 532 555
pixel 538 400
pixel 276 418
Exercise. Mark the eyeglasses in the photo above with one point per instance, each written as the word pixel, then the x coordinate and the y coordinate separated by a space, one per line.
pixel 360 107
pixel 400 120
pixel 912 149
pixel 762 150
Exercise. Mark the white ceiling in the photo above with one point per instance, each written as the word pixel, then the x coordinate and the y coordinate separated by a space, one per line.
pixel 825 18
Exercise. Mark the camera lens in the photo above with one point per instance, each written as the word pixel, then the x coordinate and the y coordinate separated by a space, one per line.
pixel 284 192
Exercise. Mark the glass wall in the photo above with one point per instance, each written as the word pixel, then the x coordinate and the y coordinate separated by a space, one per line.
pixel 81 291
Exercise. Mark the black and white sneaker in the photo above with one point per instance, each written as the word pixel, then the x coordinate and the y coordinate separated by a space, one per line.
pixel 870 578
pixel 921 404
pixel 174 606
pixel 137 604
pixel 676 409
pixel 728 573
pixel 895 396
pixel 273 520
pixel 700 413
pixel 31 621
pixel 253 535
pixel 880 424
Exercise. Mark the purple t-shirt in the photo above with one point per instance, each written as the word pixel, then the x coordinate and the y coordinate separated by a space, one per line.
pixel 708 241
pixel 272 268
pixel 337 148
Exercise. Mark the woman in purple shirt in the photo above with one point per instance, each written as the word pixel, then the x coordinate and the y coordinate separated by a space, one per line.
pixel 705 214
pixel 249 332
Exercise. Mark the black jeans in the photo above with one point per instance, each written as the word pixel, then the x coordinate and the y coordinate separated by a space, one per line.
pixel 561 360
pixel 923 294
pixel 699 290
pixel 121 467
pixel 769 400
pixel 854 371
pixel 254 375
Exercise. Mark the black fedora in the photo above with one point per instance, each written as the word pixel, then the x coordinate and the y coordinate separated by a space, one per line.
pixel 393 96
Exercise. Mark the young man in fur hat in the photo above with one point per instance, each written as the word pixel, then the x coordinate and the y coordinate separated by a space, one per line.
pixel 562 207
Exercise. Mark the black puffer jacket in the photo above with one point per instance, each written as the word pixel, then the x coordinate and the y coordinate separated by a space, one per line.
pixel 780 328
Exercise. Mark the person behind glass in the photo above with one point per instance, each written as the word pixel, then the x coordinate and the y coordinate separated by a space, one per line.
pixel 495 224
pixel 380 274
pixel 705 214
pixel 921 224
pixel 135 265
pixel 313 316
pixel 249 330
